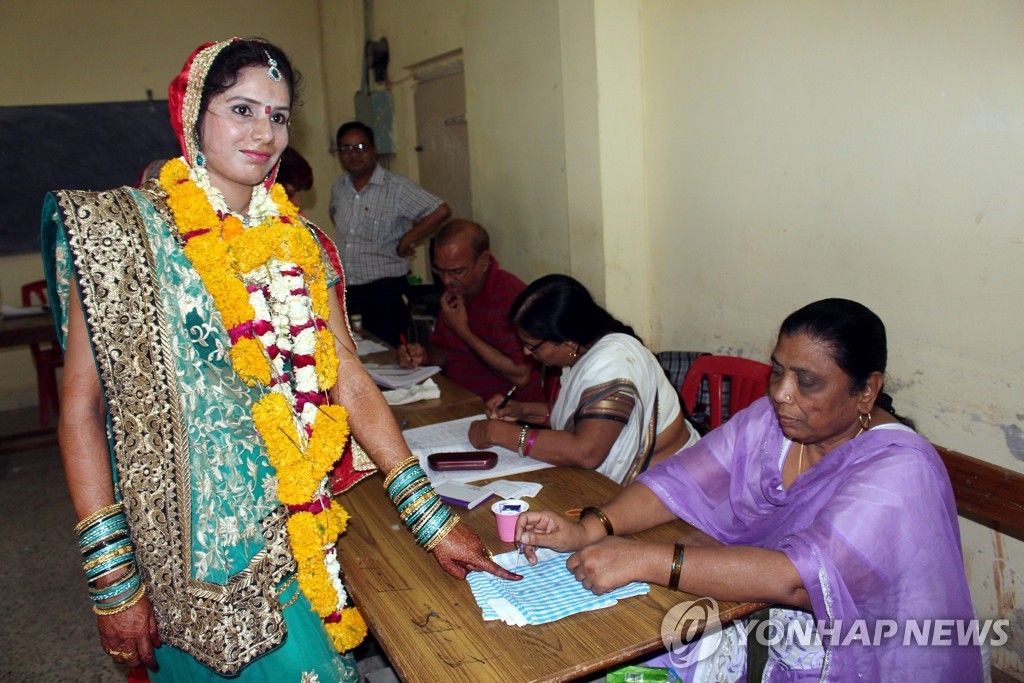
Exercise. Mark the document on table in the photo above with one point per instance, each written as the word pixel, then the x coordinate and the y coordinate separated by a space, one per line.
pixel 397 377
pixel 547 592
pixel 453 436
pixel 364 347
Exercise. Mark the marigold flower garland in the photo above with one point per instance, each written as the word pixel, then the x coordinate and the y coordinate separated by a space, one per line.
pixel 267 281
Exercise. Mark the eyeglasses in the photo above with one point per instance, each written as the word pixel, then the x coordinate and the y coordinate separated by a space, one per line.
pixel 457 273
pixel 360 147
pixel 533 347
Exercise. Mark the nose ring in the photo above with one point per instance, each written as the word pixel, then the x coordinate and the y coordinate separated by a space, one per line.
pixel 789 397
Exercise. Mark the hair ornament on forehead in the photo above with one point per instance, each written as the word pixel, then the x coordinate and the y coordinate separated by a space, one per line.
pixel 273 71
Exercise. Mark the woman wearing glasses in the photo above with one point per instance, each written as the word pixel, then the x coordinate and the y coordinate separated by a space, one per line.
pixel 616 411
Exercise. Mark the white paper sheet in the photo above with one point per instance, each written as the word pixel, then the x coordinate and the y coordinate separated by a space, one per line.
pixel 397 377
pixel 454 436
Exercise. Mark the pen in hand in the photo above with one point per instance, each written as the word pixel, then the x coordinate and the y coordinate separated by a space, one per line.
pixel 508 397
pixel 519 551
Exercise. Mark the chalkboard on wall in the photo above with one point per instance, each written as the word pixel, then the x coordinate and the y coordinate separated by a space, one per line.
pixel 78 146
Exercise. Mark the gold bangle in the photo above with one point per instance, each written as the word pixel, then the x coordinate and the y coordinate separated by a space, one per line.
pixel 102 559
pixel 601 517
pixel 413 489
pixel 677 566
pixel 425 518
pixel 97 516
pixel 120 608
pixel 416 504
pixel 522 440
pixel 442 533
pixel 399 468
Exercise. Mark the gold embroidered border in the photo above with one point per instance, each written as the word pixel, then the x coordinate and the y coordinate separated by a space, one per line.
pixel 194 96
pixel 225 627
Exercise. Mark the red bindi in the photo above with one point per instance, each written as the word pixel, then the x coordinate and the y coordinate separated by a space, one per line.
pixel 266 110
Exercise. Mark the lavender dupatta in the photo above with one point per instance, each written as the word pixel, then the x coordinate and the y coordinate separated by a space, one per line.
pixel 871 529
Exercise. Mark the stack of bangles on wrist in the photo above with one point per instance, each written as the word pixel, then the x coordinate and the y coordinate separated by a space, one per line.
pixel 419 507
pixel 107 552
pixel 526 444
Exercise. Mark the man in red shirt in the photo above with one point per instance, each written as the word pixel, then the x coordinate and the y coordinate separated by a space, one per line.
pixel 474 341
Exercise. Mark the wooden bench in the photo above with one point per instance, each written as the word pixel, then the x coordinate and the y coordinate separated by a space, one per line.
pixel 986 491
pixel 989 494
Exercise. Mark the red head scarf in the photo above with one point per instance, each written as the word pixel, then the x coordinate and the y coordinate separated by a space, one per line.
pixel 185 95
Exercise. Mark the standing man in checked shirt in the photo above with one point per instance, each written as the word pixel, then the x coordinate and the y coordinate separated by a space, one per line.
pixel 379 216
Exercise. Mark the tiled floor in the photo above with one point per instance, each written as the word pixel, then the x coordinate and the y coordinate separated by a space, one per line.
pixel 47 631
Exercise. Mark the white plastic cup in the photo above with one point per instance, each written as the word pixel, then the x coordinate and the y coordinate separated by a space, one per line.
pixel 506 513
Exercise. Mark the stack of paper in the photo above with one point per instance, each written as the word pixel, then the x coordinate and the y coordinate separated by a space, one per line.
pixel 453 436
pixel 397 377
pixel 547 592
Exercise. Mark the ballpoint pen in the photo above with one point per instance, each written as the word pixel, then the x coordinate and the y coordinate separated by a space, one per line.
pixel 519 551
pixel 508 397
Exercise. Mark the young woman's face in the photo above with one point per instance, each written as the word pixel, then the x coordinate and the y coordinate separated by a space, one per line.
pixel 243 133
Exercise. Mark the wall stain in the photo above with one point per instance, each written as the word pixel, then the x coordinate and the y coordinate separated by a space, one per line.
pixel 1014 440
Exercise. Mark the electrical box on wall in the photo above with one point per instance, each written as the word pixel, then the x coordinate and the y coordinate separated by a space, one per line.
pixel 375 109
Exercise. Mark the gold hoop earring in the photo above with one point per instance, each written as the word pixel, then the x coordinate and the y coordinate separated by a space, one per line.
pixel 865 423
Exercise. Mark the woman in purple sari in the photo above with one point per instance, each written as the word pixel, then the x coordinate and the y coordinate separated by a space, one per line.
pixel 829 506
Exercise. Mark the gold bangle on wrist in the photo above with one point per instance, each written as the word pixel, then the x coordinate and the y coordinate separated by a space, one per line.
pixel 522 440
pixel 399 468
pixel 677 566
pixel 601 517
pixel 96 516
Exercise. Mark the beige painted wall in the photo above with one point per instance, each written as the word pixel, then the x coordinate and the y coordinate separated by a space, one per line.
pixel 872 150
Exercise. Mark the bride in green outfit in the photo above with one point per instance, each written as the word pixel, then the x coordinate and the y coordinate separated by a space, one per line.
pixel 213 402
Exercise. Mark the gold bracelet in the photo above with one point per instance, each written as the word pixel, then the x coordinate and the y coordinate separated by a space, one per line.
pixel 97 516
pixel 399 468
pixel 677 566
pixel 442 533
pixel 120 608
pixel 522 440
pixel 416 504
pixel 102 559
pixel 601 517
pixel 413 489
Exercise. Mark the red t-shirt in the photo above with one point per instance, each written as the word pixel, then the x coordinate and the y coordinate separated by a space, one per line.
pixel 488 319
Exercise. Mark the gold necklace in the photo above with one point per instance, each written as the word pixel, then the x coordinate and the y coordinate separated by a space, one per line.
pixel 800 462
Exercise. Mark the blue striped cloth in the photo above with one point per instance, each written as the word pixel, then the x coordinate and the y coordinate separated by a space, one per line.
pixel 547 592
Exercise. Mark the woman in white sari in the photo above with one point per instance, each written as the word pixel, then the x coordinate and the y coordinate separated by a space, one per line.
pixel 616 411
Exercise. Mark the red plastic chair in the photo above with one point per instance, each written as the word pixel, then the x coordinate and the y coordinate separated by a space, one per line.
pixel 748 382
pixel 46 357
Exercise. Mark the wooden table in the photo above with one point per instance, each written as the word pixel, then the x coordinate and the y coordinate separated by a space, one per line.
pixel 431 627
pixel 28 329
pixel 22 331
